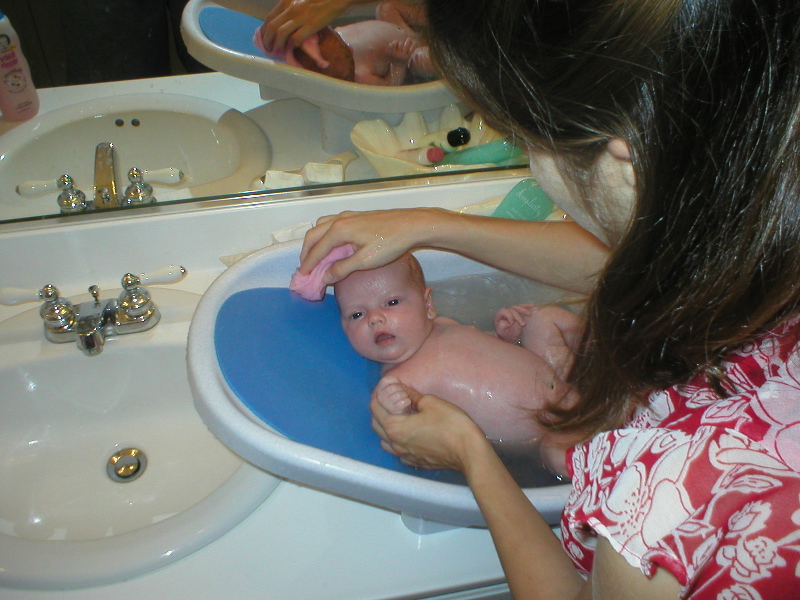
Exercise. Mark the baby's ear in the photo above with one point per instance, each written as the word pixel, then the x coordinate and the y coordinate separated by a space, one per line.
pixel 430 309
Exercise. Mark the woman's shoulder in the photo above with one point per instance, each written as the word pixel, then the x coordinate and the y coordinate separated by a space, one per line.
pixel 705 504
pixel 696 482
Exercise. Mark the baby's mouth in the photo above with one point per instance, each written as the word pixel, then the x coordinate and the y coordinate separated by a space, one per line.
pixel 383 339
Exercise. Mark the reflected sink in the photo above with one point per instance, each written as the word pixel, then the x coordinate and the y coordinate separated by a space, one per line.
pixel 64 522
pixel 219 149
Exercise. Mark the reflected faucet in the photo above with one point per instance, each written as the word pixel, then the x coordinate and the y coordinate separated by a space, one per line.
pixel 105 177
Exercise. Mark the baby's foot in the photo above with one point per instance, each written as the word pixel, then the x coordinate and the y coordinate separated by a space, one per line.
pixel 400 51
pixel 421 64
pixel 393 396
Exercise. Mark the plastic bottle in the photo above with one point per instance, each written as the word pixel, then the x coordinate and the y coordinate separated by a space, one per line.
pixel 18 98
pixel 502 151
pixel 525 202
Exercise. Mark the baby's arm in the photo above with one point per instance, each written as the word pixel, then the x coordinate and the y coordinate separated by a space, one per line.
pixel 393 396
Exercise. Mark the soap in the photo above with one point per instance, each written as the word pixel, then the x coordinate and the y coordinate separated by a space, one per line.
pixel 278 180
pixel 323 173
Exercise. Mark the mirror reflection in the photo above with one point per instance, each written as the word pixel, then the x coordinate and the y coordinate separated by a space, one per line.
pixel 184 101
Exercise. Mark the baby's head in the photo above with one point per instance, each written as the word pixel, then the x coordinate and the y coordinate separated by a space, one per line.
pixel 387 313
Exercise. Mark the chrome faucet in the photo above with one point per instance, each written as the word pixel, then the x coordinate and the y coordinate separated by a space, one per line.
pixel 90 323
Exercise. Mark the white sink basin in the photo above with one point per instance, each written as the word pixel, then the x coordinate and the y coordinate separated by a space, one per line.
pixel 64 522
pixel 219 149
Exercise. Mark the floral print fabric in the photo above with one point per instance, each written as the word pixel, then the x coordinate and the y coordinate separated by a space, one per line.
pixel 707 488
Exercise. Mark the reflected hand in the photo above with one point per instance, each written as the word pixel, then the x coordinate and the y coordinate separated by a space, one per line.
pixel 435 435
pixel 292 21
pixel 378 236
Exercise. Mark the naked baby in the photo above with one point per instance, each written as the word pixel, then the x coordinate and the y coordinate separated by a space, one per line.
pixel 389 317
pixel 374 52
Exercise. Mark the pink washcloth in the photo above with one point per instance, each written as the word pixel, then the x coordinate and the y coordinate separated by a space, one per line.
pixel 310 286
pixel 310 45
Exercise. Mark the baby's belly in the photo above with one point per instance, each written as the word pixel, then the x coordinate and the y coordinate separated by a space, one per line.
pixel 501 398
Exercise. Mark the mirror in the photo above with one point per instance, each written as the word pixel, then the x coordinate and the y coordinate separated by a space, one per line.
pixel 316 138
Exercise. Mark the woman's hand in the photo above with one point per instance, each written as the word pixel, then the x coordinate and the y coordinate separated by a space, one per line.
pixel 378 236
pixel 433 434
pixel 292 21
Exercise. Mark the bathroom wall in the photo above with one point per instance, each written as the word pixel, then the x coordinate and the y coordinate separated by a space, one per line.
pixel 71 42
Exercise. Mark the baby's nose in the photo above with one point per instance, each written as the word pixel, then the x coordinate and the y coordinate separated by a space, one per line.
pixel 376 317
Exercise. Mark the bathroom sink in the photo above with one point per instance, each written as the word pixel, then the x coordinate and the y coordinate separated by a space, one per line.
pixel 218 149
pixel 66 519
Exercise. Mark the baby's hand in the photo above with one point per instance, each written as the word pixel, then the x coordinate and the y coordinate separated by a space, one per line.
pixel 393 396
pixel 508 322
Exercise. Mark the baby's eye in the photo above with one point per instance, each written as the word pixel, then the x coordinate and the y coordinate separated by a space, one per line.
pixel 356 315
pixel 393 302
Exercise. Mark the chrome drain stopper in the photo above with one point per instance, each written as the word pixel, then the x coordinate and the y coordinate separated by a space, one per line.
pixel 126 465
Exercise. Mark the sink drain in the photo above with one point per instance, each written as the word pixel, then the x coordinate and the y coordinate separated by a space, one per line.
pixel 126 465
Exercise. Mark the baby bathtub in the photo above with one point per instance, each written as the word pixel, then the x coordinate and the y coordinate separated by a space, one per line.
pixel 424 501
pixel 219 35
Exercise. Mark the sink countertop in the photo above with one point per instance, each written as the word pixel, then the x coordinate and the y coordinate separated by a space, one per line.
pixel 301 543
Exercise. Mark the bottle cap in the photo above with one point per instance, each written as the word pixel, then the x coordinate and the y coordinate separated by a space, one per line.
pixel 458 137
pixel 434 154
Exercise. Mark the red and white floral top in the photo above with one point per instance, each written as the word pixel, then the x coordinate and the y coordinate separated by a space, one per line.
pixel 708 489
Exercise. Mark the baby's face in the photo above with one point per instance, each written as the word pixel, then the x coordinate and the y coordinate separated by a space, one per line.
pixel 384 314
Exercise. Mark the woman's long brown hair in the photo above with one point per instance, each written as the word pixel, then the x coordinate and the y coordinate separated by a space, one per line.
pixel 707 95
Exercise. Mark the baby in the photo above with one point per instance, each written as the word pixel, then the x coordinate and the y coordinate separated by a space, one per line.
pixel 374 52
pixel 389 317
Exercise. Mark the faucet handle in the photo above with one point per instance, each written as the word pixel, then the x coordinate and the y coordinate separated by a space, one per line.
pixel 162 276
pixel 134 300
pixel 11 296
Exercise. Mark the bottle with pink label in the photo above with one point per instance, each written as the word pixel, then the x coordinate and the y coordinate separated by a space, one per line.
pixel 18 98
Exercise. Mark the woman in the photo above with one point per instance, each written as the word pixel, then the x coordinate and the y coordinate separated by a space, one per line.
pixel 669 130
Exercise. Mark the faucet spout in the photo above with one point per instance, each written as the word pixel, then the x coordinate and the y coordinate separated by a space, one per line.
pixel 90 338
pixel 95 320
pixel 105 177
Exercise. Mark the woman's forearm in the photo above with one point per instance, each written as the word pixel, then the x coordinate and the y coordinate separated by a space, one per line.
pixel 561 254
pixel 558 253
pixel 533 560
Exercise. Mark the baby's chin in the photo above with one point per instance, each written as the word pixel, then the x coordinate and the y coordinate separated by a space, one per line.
pixel 391 357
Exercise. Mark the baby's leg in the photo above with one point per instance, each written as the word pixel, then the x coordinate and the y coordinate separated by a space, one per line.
pixel 400 52
pixel 421 64
pixel 405 15
pixel 393 396
pixel 553 333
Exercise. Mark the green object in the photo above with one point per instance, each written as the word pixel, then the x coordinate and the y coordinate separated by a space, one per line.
pixel 525 202
pixel 498 151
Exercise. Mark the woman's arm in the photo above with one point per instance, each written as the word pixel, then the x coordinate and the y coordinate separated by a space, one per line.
pixel 292 21
pixel 440 435
pixel 557 253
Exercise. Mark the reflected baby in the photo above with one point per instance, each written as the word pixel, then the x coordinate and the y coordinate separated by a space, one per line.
pixel 388 315
pixel 380 51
